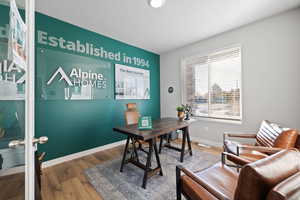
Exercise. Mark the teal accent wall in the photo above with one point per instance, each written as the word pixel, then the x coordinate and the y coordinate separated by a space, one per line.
pixel 74 126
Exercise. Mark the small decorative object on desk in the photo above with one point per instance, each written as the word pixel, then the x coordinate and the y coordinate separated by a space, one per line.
pixel 188 111
pixel 145 123
pixel 180 112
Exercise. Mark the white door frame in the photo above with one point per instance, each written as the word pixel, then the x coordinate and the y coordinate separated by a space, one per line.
pixel 30 101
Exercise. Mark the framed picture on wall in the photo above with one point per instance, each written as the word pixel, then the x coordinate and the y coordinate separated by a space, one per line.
pixel 131 82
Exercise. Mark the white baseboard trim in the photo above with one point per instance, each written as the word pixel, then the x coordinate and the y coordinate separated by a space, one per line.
pixel 60 160
pixel 209 142
pixel 70 157
pixel 204 141
pixel 12 171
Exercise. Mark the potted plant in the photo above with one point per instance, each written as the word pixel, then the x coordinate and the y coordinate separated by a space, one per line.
pixel 180 112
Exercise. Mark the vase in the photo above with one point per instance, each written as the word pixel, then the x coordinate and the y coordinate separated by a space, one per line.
pixel 180 115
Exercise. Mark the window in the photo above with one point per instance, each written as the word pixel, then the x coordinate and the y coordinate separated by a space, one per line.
pixel 212 84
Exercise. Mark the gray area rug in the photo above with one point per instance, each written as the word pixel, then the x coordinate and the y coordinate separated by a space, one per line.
pixel 114 185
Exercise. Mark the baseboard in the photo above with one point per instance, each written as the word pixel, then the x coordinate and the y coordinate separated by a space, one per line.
pixel 60 160
pixel 12 171
pixel 70 157
pixel 209 142
pixel 91 151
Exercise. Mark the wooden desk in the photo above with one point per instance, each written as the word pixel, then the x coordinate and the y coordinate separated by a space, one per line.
pixel 160 128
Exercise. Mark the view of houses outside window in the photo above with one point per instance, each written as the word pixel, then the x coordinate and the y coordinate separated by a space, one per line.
pixel 213 85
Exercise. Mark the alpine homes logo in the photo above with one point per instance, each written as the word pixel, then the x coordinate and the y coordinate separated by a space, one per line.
pixel 79 78
pixel 63 75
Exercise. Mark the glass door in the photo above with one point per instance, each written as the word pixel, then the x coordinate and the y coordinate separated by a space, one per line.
pixel 18 179
pixel 12 113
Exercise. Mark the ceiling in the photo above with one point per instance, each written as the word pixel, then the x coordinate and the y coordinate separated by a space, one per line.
pixel 176 24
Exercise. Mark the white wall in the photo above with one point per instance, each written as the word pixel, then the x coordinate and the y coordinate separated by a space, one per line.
pixel 271 75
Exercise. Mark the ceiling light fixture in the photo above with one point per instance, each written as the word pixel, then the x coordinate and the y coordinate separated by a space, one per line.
pixel 157 3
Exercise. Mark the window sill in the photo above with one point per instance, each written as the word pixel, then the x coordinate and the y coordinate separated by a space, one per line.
pixel 225 121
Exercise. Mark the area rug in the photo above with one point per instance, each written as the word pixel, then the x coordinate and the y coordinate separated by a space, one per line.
pixel 111 184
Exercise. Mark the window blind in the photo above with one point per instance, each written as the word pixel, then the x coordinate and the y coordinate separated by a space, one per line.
pixel 212 84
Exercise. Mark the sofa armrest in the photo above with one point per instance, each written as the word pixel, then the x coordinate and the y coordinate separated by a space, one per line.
pixel 191 175
pixel 268 150
pixel 238 135
pixel 241 134
pixel 234 158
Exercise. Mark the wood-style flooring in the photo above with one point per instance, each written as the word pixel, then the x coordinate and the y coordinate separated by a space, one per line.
pixel 67 181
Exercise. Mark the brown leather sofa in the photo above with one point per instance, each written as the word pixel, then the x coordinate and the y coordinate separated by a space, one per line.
pixel 271 138
pixel 276 177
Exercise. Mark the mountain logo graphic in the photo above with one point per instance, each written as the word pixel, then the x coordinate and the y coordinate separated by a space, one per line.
pixel 63 75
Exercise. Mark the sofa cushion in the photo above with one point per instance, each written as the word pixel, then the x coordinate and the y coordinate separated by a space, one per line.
pixel 267 134
pixel 195 191
pixel 287 139
pixel 219 177
pixel 258 178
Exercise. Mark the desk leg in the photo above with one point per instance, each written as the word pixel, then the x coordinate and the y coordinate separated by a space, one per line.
pixel 189 140
pixel 160 143
pixel 148 163
pixel 124 154
pixel 169 138
pixel 157 158
pixel 183 145
pixel 135 150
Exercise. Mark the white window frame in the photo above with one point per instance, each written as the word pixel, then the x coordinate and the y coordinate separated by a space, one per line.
pixel 183 81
